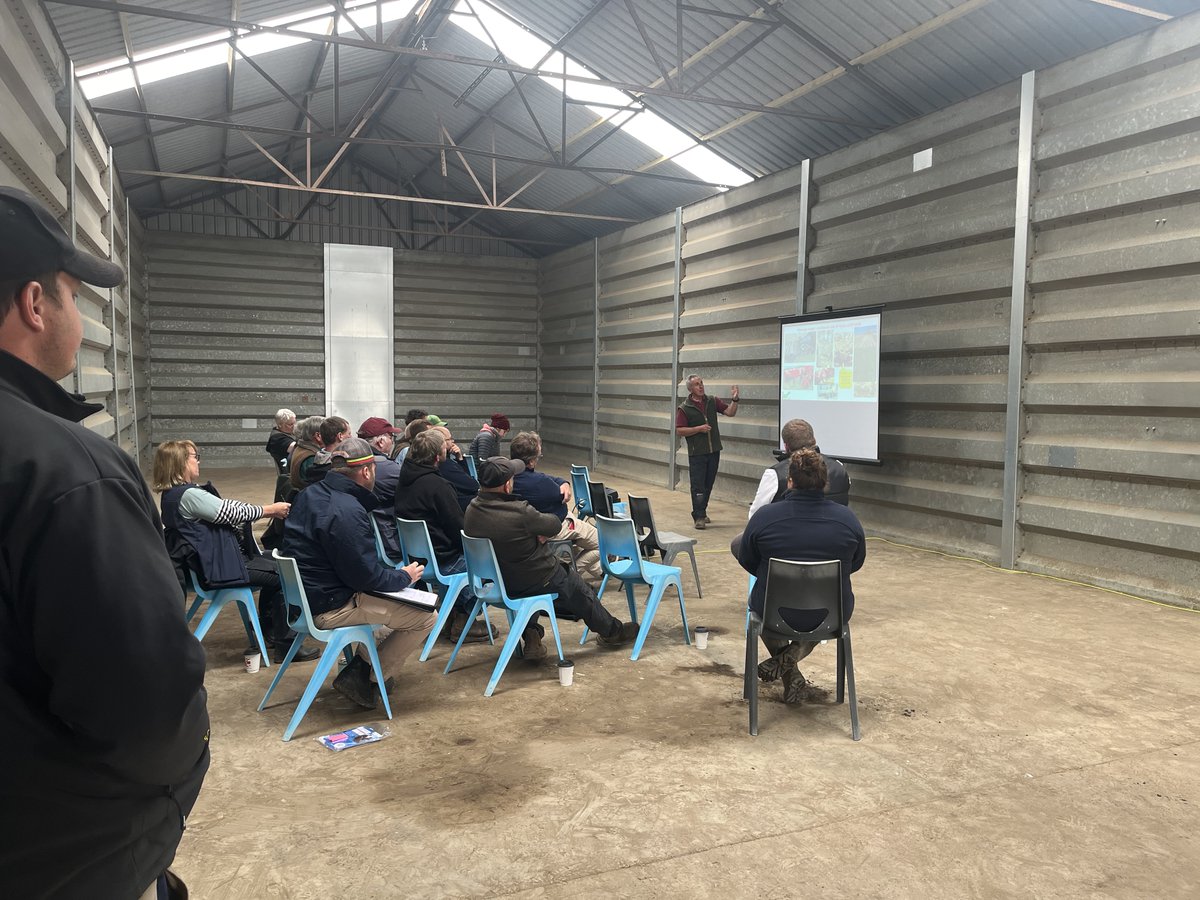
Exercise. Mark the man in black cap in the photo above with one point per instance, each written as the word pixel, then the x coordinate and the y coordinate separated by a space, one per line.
pixel 518 533
pixel 103 721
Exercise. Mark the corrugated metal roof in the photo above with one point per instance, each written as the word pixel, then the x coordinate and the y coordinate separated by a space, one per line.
pixel 910 57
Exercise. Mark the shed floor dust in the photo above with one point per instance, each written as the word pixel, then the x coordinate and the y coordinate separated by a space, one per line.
pixel 1021 737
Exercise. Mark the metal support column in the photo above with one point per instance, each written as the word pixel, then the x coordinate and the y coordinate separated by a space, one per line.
pixel 805 242
pixel 71 200
pixel 1022 250
pixel 137 443
pixel 595 347
pixel 115 409
pixel 677 298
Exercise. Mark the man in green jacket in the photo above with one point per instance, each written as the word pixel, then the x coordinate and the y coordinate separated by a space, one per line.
pixel 696 422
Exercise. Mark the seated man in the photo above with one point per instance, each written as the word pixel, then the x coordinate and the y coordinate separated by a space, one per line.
pixel 797 434
pixel 808 527
pixel 425 495
pixel 454 469
pixel 279 447
pixel 328 533
pixel 380 434
pixel 548 494
pixel 518 533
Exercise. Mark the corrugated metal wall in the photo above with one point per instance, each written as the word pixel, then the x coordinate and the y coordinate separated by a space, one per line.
pixel 237 331
pixel 1102 449
pixel 566 317
pixel 637 291
pixel 73 176
pixel 286 214
pixel 466 339
pixel 1111 451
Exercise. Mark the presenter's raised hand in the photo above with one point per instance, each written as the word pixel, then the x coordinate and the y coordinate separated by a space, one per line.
pixel 735 393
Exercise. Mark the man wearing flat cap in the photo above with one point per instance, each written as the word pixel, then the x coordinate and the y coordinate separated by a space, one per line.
pixel 103 718
pixel 381 435
pixel 518 533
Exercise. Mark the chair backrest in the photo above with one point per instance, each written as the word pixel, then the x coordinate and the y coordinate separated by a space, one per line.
pixel 803 599
pixel 415 540
pixel 471 466
pixel 643 523
pixel 576 467
pixel 380 549
pixel 618 541
pixel 601 506
pixel 483 571
pixel 579 487
pixel 293 593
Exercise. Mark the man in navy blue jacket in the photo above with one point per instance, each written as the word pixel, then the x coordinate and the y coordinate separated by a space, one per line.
pixel 328 532
pixel 805 526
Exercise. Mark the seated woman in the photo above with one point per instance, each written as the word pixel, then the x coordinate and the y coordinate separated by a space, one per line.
pixel 802 525
pixel 212 536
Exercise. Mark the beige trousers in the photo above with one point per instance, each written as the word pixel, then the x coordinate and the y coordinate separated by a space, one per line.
pixel 586 541
pixel 408 626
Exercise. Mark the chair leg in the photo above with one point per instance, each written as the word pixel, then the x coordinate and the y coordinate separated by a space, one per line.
pixel 462 637
pixel 695 571
pixel 554 628
pixel 254 631
pixel 443 617
pixel 209 617
pixel 855 731
pixel 373 653
pixel 192 609
pixel 519 622
pixel 633 617
pixel 332 649
pixel 687 632
pixel 656 592
pixel 287 661
pixel 751 686
pixel 840 696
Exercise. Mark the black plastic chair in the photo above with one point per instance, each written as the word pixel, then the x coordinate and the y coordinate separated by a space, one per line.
pixel 797 592
pixel 600 502
pixel 668 543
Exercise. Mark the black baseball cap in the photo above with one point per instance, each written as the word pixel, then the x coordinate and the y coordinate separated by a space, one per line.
pixel 32 243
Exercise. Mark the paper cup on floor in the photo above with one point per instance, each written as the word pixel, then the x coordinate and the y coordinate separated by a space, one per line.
pixel 253 661
pixel 701 638
pixel 566 672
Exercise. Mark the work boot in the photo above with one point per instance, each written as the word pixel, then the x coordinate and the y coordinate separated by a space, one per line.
pixel 476 634
pixel 625 633
pixel 700 524
pixel 793 685
pixel 280 648
pixel 354 683
pixel 532 647
pixel 771 669
pixel 707 520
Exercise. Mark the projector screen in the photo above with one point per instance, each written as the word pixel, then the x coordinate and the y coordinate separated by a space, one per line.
pixel 829 375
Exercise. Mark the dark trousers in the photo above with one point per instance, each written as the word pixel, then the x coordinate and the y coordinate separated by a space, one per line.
pixel 702 472
pixel 271 614
pixel 577 601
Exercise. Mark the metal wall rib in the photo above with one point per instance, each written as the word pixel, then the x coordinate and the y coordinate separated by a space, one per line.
pixel 566 315
pixel 236 332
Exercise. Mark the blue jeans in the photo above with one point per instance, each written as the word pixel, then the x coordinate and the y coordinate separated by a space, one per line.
pixel 702 472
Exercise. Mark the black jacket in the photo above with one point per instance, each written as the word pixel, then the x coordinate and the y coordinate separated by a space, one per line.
pixel 837 485
pixel 465 487
pixel 424 494
pixel 277 447
pixel 328 532
pixel 103 723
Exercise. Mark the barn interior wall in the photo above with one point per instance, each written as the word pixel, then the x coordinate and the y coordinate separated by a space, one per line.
pixel 51 146
pixel 1052 426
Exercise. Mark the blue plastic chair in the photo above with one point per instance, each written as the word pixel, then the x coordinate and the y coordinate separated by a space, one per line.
pixel 381 550
pixel 416 544
pixel 218 599
pixel 583 496
pixel 621 558
pixel 488 585
pixel 336 640
pixel 471 466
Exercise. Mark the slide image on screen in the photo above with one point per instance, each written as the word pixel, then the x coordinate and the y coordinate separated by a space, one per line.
pixel 829 375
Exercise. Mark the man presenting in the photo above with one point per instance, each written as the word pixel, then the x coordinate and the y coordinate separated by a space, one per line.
pixel 696 421
pixel 103 722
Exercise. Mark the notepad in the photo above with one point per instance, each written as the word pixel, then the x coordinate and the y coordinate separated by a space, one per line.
pixel 411 596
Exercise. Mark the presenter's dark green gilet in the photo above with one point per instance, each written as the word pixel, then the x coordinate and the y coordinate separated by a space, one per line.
pixel 702 443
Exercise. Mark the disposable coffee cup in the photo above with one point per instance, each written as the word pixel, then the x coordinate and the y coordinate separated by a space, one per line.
pixel 701 638
pixel 253 661
pixel 566 672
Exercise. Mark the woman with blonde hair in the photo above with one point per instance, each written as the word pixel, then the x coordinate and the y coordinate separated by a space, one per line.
pixel 211 536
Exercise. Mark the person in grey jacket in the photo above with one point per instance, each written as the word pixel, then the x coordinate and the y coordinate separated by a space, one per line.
pixel 487 442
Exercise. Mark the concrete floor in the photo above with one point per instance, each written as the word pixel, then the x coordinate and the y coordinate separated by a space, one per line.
pixel 1022 737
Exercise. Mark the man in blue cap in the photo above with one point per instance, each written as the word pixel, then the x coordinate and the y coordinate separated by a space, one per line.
pixel 103 718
